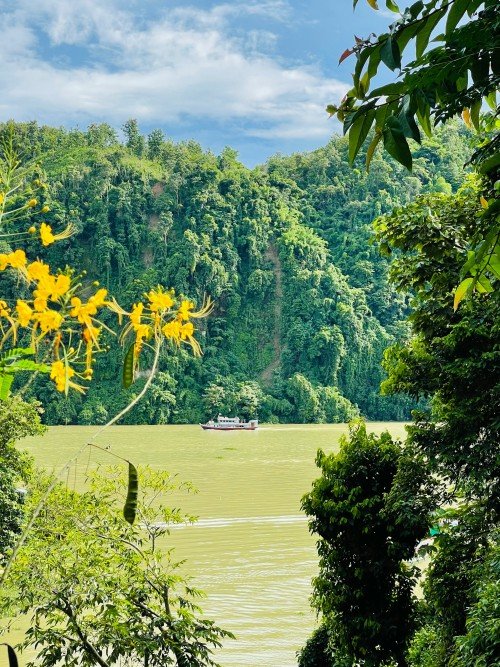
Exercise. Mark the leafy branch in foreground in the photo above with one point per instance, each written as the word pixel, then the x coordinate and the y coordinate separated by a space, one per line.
pixel 102 591
pixel 455 78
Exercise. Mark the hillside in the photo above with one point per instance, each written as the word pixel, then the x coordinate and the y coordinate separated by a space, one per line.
pixel 303 310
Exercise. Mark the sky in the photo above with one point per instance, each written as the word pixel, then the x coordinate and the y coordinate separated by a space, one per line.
pixel 253 75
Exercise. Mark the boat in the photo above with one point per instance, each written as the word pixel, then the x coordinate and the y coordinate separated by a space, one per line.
pixel 230 424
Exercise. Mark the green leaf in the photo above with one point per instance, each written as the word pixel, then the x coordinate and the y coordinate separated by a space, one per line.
pixel 461 291
pixel 491 99
pixel 129 367
pixel 130 507
pixel 374 61
pixel 475 4
pixel 392 6
pixel 458 9
pixel 395 142
pixel 14 354
pixel 425 31
pixel 5 383
pixel 11 655
pixel 424 113
pixel 390 54
pixel 358 133
pixel 489 164
pixel 416 8
pixel 483 285
pixel 474 114
pixel 371 149
pixel 389 89
pixel 373 4
pixel 407 120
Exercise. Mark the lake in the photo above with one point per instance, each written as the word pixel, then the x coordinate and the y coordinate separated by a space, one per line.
pixel 250 551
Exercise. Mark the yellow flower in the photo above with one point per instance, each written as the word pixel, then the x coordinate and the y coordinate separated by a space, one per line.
pixel 45 209
pixel 60 286
pixel 159 300
pixel 135 315
pixel 49 320
pixel 32 203
pixel 52 287
pixel 24 313
pixel 172 330
pixel 17 259
pixel 32 230
pixel 40 304
pixel 99 298
pixel 3 261
pixel 47 237
pixel 186 334
pixel 4 309
pixel 80 310
pixel 2 198
pixel 91 334
pixel 46 234
pixel 187 330
pixel 61 373
pixel 142 331
pixel 183 312
pixel 38 270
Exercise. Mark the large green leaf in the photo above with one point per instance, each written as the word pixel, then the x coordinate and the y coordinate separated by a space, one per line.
pixel 407 120
pixel 458 9
pixel 390 54
pixel 426 29
pixel 358 133
pixel 389 89
pixel 461 291
pixel 130 507
pixel 395 142
pixel 371 149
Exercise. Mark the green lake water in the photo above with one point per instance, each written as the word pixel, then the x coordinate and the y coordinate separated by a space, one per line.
pixel 250 551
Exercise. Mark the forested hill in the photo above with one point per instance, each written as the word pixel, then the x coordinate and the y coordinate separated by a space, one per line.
pixel 303 310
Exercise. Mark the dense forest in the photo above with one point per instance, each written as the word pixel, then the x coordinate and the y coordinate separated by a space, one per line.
pixel 303 307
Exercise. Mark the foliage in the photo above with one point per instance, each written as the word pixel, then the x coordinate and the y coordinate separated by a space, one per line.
pixel 480 643
pixel 454 356
pixel 17 420
pixel 451 78
pixel 370 507
pixel 101 591
pixel 458 73
pixel 284 251
pixel 56 312
pixel 315 652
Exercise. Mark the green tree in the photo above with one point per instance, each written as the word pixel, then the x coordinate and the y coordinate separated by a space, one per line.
pixel 369 508
pixel 101 591
pixel 17 420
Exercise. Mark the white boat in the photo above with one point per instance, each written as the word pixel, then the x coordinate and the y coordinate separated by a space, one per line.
pixel 230 424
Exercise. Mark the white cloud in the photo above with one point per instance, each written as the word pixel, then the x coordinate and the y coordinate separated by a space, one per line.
pixel 181 65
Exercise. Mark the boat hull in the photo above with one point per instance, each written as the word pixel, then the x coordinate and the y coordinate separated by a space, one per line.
pixel 228 428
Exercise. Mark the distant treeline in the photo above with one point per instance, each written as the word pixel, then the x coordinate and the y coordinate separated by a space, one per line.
pixel 303 309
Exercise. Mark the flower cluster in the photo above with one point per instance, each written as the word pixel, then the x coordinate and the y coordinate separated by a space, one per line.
pixel 162 315
pixel 58 315
pixel 61 316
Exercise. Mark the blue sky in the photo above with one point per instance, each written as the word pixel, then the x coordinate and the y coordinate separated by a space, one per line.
pixel 252 75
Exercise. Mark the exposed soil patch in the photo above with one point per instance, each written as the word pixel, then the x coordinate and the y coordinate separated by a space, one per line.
pixel 158 189
pixel 272 255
